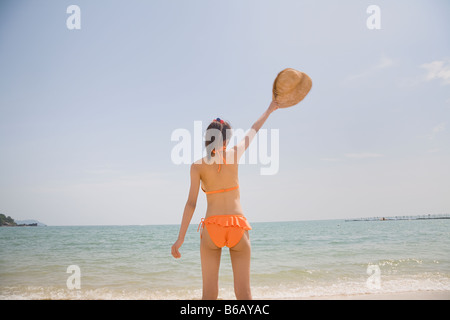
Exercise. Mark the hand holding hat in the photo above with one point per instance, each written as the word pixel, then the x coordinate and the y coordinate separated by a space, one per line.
pixel 290 87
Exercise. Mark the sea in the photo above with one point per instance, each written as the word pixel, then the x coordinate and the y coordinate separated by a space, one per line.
pixel 290 260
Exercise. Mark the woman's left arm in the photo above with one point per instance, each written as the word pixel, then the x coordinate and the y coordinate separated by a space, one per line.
pixel 189 209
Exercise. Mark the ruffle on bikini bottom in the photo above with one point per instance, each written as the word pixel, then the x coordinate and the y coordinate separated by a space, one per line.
pixel 229 221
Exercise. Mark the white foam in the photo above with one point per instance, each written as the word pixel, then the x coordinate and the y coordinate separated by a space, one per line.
pixel 389 284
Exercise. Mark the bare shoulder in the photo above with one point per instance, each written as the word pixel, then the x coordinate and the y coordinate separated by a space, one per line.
pixel 197 165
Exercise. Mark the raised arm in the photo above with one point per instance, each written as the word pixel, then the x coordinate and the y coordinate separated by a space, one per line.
pixel 189 209
pixel 251 133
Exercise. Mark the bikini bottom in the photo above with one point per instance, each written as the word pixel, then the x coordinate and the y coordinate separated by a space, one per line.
pixel 225 230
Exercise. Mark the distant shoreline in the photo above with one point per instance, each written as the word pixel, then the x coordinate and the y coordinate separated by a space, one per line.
pixel 7 221
pixel 21 225
pixel 396 218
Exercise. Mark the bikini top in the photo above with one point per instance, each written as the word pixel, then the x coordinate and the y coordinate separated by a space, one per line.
pixel 221 190
pixel 218 170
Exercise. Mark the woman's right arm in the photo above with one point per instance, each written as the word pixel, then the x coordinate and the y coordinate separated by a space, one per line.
pixel 189 209
pixel 245 142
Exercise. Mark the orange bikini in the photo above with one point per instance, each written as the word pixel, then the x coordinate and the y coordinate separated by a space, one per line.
pixel 228 229
pixel 221 190
pixel 225 230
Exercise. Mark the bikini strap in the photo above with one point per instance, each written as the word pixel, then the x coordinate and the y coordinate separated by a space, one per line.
pixel 223 158
pixel 202 224
pixel 221 190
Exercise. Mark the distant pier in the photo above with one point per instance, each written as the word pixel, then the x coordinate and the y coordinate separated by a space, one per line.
pixel 394 218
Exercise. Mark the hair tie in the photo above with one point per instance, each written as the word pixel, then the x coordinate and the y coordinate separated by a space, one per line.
pixel 219 120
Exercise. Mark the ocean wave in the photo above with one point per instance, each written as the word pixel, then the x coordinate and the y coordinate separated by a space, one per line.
pixel 288 290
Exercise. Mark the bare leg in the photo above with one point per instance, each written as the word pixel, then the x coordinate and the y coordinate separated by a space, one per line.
pixel 240 260
pixel 210 259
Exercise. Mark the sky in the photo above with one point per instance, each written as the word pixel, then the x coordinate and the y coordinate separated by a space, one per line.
pixel 87 115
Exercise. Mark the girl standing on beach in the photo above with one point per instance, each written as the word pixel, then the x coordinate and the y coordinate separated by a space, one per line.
pixel 224 223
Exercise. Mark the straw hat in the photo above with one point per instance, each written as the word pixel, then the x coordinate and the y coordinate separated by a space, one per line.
pixel 290 87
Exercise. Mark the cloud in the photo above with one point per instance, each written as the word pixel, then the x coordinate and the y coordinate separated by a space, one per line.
pixel 437 70
pixel 383 63
pixel 363 155
pixel 436 130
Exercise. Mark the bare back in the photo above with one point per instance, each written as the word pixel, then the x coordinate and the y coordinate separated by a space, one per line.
pixel 214 178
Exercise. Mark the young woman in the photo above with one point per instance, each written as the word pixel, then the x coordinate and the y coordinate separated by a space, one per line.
pixel 224 223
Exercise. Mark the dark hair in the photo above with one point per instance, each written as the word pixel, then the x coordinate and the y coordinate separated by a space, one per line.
pixel 223 127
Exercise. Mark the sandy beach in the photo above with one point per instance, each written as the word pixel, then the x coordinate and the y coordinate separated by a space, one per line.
pixel 417 295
